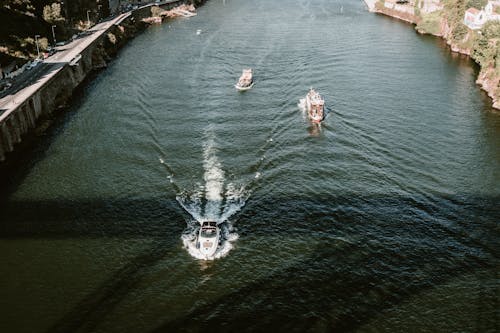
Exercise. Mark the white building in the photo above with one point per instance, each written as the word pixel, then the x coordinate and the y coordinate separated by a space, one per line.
pixel 475 18
pixel 492 10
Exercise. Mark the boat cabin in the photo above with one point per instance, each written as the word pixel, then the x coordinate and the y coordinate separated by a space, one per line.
pixel 209 229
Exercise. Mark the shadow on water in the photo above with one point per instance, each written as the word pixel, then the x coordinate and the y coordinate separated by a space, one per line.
pixel 325 294
pixel 81 219
pixel 340 289
pixel 87 314
pixel 394 254
pixel 467 218
pixel 33 147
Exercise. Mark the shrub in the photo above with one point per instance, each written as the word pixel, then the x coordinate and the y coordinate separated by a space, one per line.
pixel 52 13
pixel 111 38
pixel 459 32
pixel 491 29
pixel 431 23
pixel 43 43
pixel 476 3
pixel 485 51
pixel 156 11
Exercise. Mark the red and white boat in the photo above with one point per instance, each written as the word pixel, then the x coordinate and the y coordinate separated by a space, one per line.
pixel 314 105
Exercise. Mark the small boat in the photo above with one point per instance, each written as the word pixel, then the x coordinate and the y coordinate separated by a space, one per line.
pixel 246 80
pixel 314 105
pixel 208 238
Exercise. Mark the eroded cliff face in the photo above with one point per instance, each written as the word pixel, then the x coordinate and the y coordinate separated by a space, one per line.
pixel 446 32
pixel 489 77
pixel 489 80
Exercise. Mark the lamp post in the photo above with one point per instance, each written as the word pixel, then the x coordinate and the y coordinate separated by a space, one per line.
pixel 54 35
pixel 65 9
pixel 99 11
pixel 37 48
pixel 88 18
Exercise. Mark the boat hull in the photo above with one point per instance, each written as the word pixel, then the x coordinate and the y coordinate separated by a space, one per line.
pixel 240 88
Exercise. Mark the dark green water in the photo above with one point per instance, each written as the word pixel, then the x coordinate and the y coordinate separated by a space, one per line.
pixel 385 218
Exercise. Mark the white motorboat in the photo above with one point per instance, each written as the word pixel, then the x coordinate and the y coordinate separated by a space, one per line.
pixel 314 105
pixel 246 80
pixel 208 238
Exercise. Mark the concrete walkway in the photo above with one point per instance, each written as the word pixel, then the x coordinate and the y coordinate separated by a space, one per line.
pixel 29 82
pixel 40 75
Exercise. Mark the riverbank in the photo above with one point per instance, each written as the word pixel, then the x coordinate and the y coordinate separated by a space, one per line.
pixel 444 19
pixel 29 108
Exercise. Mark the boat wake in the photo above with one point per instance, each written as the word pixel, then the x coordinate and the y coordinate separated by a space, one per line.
pixel 215 200
pixel 302 104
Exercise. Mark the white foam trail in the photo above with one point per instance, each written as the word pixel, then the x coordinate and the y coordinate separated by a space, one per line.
pixel 235 200
pixel 192 203
pixel 214 175
pixel 302 104
pixel 214 180
pixel 221 202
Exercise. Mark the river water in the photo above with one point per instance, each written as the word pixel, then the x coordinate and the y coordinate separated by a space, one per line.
pixel 384 218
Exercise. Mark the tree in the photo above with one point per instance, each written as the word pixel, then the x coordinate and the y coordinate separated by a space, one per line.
pixel 156 11
pixel 491 29
pixel 52 13
pixel 459 32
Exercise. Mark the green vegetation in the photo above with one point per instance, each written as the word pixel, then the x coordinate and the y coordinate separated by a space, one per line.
pixel 52 13
pixel 22 20
pixel 486 50
pixel 459 32
pixel 453 12
pixel 156 11
pixel 430 23
pixel 484 44
pixel 476 3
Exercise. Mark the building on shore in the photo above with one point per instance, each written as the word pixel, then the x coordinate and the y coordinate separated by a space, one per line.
pixel 475 18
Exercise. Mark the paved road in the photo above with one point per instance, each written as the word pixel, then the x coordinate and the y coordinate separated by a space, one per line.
pixel 31 80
